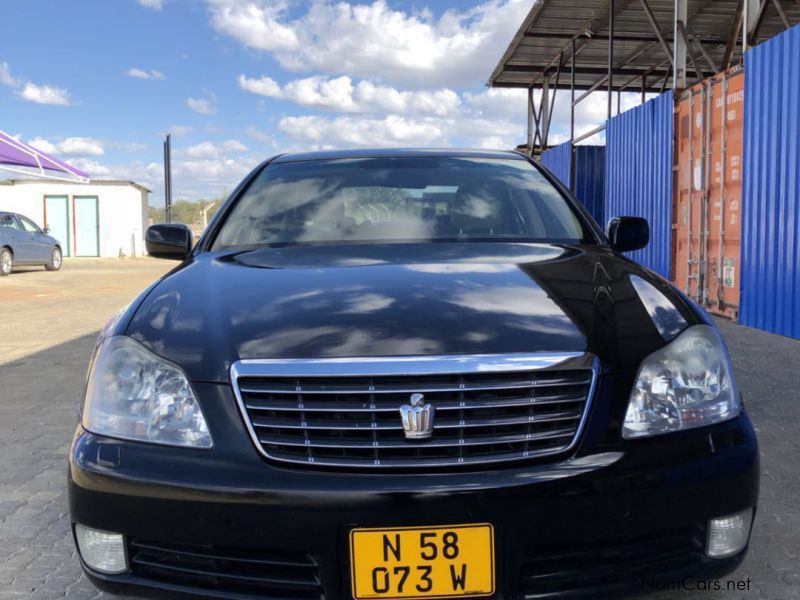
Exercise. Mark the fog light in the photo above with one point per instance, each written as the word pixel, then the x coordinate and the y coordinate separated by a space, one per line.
pixel 101 551
pixel 728 535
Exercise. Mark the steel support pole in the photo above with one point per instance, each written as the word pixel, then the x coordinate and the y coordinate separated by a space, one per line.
pixel 733 34
pixel 572 121
pixel 723 166
pixel 690 51
pixel 168 179
pixel 537 132
pixel 781 13
pixel 654 24
pixel 755 16
pixel 610 54
pixel 553 100
pixel 679 45
pixel 529 143
pixel 572 96
pixel 690 171
pixel 544 113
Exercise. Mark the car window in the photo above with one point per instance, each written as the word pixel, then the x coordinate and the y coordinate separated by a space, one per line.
pixel 29 225
pixel 8 221
pixel 400 199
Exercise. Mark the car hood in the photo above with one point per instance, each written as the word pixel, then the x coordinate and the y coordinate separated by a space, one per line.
pixel 405 299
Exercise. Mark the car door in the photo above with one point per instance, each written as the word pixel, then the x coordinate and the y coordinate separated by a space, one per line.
pixel 38 247
pixel 10 235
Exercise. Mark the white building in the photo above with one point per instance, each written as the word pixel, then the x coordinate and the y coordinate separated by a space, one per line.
pixel 100 218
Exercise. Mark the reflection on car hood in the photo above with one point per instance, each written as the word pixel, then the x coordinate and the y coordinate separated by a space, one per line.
pixel 398 299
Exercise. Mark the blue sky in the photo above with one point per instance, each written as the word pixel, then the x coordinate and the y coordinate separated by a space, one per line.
pixel 99 82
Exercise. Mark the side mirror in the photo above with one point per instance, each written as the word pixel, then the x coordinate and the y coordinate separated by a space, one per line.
pixel 628 233
pixel 46 229
pixel 168 240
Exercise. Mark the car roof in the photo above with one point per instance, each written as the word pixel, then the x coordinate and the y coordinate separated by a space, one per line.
pixel 396 152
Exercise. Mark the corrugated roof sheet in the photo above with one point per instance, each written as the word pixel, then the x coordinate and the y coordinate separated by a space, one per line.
pixel 550 26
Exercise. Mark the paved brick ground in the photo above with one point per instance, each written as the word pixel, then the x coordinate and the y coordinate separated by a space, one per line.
pixel 45 346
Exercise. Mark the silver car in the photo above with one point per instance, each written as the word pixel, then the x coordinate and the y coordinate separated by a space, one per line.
pixel 23 243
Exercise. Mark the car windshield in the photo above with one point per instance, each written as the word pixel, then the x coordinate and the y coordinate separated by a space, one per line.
pixel 400 199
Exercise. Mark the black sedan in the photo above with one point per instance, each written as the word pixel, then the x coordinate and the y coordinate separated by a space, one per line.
pixel 409 374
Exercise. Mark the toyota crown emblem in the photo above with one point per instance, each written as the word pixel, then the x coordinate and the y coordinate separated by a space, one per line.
pixel 417 418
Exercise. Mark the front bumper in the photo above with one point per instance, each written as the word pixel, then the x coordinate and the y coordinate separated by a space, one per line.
pixel 601 522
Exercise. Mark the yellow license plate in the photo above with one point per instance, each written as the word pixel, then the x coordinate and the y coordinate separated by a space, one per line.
pixel 453 561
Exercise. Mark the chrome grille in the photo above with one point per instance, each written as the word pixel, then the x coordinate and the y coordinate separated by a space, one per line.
pixel 345 412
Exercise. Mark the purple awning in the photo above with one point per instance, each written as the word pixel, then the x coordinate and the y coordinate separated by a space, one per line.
pixel 18 154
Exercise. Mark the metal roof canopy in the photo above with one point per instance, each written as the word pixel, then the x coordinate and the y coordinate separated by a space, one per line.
pixel 629 45
pixel 17 157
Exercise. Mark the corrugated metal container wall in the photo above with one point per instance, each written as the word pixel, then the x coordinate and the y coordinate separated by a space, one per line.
pixel 558 160
pixel 639 175
pixel 770 290
pixel 708 192
pixel 590 179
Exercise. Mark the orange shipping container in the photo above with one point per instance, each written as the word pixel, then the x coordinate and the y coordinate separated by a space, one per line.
pixel 707 192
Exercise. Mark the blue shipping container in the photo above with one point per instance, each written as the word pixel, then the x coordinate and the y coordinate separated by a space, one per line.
pixel 557 160
pixel 589 173
pixel 639 175
pixel 770 277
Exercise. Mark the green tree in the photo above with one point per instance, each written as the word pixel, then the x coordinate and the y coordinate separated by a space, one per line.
pixel 185 211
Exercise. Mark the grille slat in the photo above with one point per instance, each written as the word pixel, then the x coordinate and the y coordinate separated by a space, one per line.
pixel 584 567
pixel 489 409
pixel 261 422
pixel 440 406
pixel 436 443
pixel 338 389
pixel 234 572
pixel 260 579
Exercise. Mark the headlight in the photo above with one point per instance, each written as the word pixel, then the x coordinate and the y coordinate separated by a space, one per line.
pixel 688 383
pixel 136 395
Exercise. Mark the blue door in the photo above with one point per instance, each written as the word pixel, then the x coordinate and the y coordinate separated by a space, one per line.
pixel 87 228
pixel 56 214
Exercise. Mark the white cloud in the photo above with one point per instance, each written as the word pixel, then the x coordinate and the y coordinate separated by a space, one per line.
pixel 81 146
pixel 179 130
pixel 201 106
pixel 263 86
pixel 130 146
pixel 27 90
pixel 210 150
pixel 486 119
pixel 374 41
pixel 92 167
pixel 143 74
pixel 70 147
pixel 44 94
pixel 5 75
pixel 341 95
pixel 192 178
pixel 260 136
pixel 345 131
pixel 154 4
